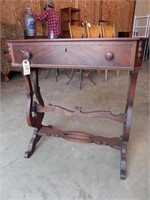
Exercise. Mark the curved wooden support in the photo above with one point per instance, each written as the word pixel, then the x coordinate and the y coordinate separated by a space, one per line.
pixel 34 119
pixel 36 86
pixel 79 112
pixel 32 145
pixel 123 159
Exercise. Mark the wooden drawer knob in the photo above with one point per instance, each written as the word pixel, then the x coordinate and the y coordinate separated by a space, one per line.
pixel 109 55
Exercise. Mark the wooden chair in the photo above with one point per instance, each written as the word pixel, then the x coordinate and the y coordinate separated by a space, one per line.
pixel 94 31
pixel 108 31
pixel 77 32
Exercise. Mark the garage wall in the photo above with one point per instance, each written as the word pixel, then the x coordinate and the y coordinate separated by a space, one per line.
pixel 119 12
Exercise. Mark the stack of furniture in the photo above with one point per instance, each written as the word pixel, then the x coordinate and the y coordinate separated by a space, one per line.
pixel 69 15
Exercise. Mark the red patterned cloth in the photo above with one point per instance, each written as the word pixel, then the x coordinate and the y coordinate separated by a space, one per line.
pixel 52 21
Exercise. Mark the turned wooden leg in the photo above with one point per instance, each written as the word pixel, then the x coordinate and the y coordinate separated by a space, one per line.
pixel 123 162
pixel 32 145
pixel 86 73
pixel 117 73
pixel 106 75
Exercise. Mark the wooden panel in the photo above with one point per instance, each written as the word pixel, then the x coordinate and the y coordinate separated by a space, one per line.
pixel 119 13
pixel 90 11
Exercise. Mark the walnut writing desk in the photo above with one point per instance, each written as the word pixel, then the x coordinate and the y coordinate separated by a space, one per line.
pixel 110 53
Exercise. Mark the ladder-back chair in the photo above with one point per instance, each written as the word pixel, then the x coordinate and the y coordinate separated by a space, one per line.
pixel 77 32
pixel 95 31
pixel 108 31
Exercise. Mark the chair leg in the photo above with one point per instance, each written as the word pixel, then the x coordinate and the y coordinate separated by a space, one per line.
pixel 47 75
pixel 81 78
pixel 90 77
pixel 117 73
pixel 99 71
pixel 86 73
pixel 57 73
pixel 106 75
pixel 71 77
pixel 70 74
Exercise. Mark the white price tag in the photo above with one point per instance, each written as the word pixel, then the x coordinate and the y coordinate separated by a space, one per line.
pixel 26 67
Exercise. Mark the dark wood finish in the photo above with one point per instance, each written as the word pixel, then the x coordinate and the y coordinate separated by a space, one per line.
pixel 102 53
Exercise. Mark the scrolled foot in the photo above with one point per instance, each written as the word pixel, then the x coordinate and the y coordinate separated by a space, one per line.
pixel 32 145
pixel 28 154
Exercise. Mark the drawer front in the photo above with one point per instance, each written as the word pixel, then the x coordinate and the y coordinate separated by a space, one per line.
pixel 98 54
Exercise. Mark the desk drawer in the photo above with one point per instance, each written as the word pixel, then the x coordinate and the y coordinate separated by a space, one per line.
pixel 85 54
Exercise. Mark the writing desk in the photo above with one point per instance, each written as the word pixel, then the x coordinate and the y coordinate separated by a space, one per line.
pixel 102 53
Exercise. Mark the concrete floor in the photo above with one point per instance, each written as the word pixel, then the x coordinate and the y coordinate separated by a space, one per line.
pixel 63 170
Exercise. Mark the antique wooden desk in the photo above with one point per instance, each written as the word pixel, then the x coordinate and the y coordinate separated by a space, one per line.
pixel 110 53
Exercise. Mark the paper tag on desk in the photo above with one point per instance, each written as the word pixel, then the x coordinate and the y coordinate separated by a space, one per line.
pixel 26 67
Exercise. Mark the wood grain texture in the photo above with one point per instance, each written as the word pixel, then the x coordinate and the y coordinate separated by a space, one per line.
pixel 119 13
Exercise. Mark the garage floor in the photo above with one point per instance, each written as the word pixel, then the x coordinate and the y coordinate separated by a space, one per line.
pixel 64 170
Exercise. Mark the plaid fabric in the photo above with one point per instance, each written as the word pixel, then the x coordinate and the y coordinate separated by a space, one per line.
pixel 52 21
